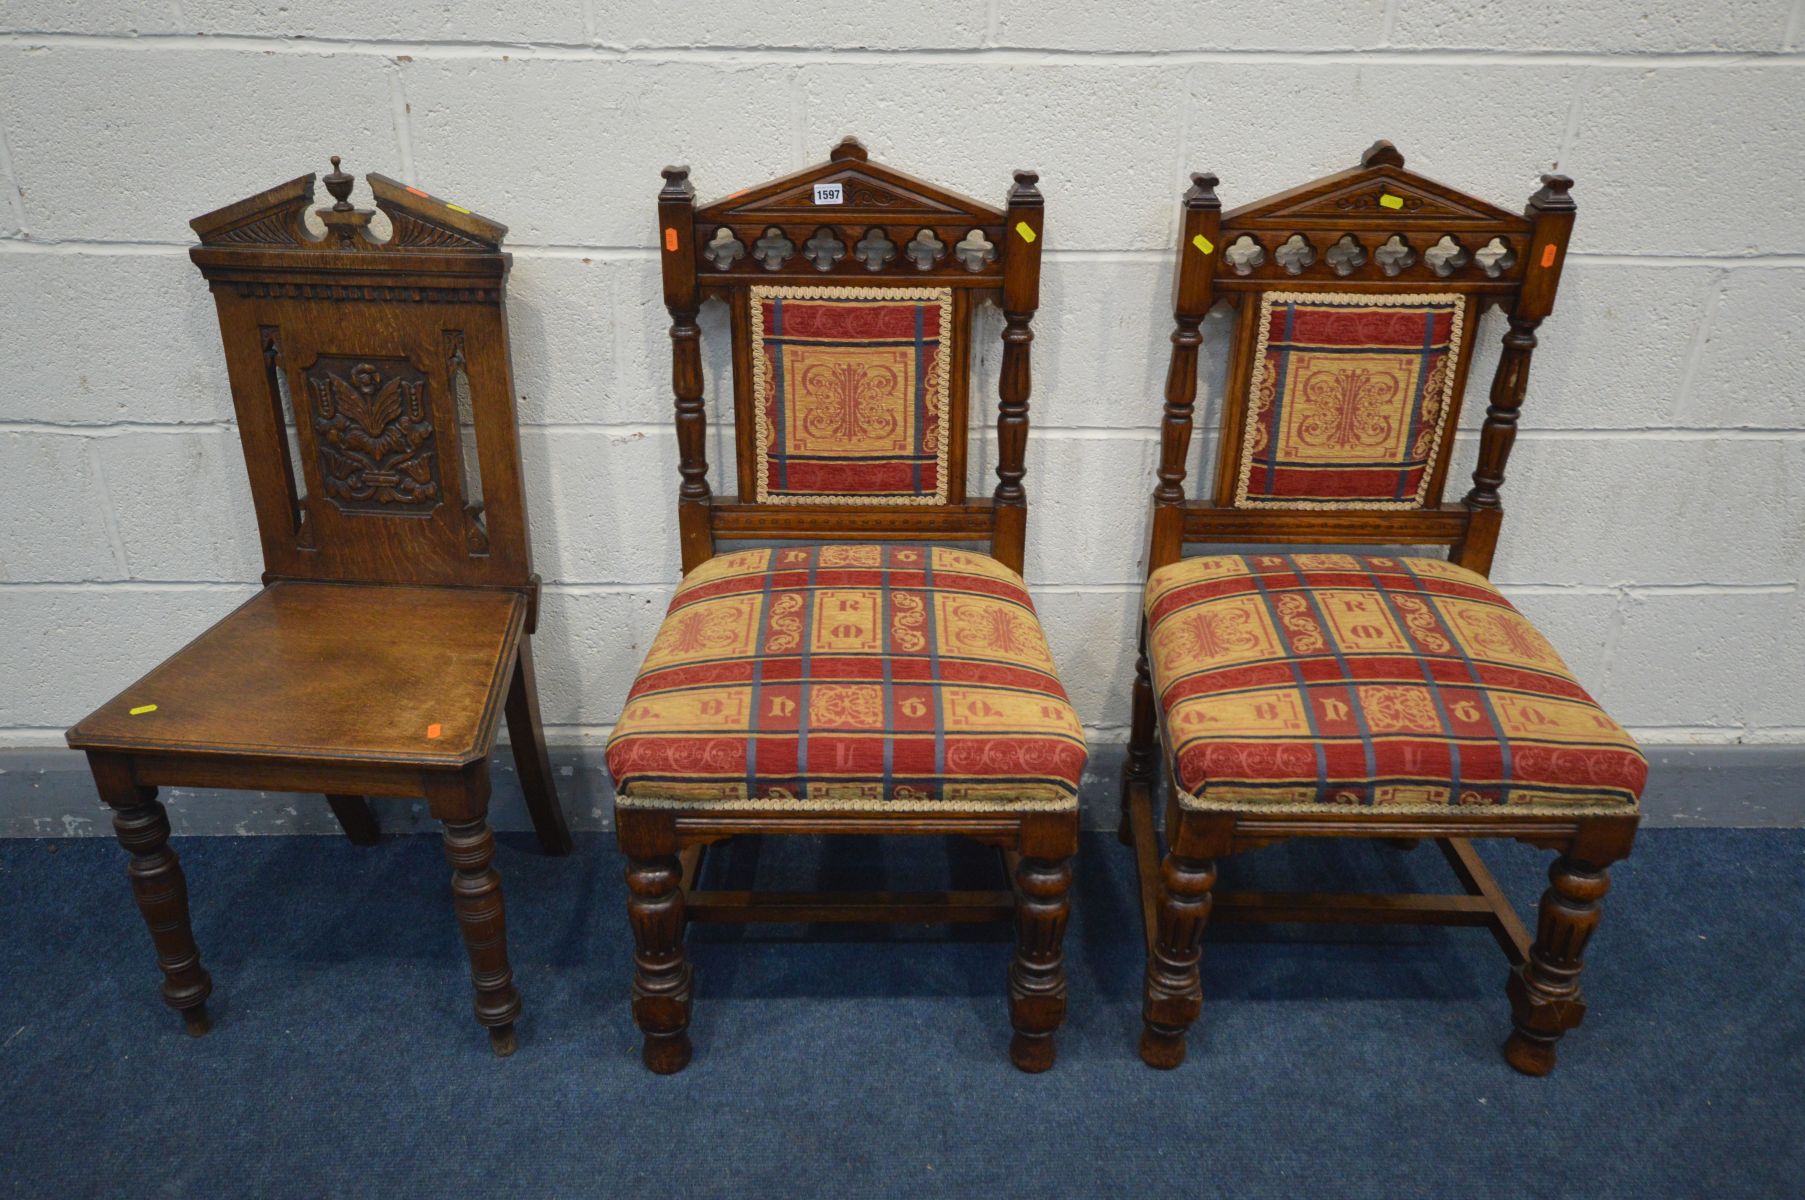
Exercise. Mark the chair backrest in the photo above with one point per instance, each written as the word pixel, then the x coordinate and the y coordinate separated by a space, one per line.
pixel 851 289
pixel 1358 297
pixel 372 384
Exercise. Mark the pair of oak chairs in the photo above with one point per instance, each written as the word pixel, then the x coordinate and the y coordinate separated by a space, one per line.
pixel 867 660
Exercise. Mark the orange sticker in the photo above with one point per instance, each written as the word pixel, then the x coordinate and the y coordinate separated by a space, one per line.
pixel 434 730
pixel 670 238
pixel 1548 255
pixel 416 191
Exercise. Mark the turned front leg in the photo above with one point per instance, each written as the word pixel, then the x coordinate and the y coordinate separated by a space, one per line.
pixel 142 826
pixel 1037 973
pixel 482 915
pixel 1545 999
pixel 1174 993
pixel 662 975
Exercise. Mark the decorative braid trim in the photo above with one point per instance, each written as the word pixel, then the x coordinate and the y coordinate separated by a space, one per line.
pixel 938 397
pixel 1067 803
pixel 1584 808
pixel 1257 376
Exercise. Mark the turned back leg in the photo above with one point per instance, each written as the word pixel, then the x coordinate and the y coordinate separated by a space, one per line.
pixel 1139 769
pixel 142 827
pixel 356 818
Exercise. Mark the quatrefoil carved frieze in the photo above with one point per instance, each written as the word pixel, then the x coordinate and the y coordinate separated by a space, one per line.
pixel 773 249
pixel 824 249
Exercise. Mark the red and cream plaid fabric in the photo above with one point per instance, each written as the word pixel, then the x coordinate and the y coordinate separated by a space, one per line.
pixel 1299 680
pixel 893 677
pixel 850 394
pixel 1348 400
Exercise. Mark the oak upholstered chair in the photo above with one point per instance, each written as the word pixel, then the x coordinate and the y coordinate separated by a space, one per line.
pixel 391 633
pixel 1360 695
pixel 856 678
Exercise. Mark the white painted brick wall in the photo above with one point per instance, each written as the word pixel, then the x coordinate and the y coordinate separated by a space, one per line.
pixel 1657 496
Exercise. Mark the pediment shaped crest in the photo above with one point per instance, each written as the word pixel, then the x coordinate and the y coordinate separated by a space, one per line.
pixel 277 219
pixel 1380 188
pixel 866 187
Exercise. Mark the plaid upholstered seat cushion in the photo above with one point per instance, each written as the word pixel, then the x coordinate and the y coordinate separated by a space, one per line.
pixel 1299 680
pixel 849 677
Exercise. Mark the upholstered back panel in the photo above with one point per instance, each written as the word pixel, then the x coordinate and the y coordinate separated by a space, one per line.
pixel 1349 398
pixel 850 393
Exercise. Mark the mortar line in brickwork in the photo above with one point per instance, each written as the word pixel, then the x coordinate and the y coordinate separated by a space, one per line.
pixel 127 585
pixel 109 513
pixel 404 134
pixel 755 55
pixel 1718 284
pixel 15 199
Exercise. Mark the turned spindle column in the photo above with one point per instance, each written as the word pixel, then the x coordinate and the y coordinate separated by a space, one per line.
pixel 683 299
pixel 1022 226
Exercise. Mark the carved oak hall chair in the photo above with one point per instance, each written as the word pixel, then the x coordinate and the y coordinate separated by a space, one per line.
pixel 391 633
pixel 856 678
pixel 1360 695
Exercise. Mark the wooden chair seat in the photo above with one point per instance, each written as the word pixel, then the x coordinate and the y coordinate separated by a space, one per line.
pixel 883 677
pixel 1371 684
pixel 329 671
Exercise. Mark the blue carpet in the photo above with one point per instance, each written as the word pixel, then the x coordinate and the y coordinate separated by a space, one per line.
pixel 344 1061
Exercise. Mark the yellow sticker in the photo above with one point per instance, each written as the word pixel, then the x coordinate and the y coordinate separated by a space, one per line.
pixel 1387 200
pixel 1203 244
pixel 1021 227
pixel 458 208
pixel 142 709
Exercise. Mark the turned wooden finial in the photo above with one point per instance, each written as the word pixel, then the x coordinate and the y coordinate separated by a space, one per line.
pixel 676 184
pixel 1202 192
pixel 339 184
pixel 1381 154
pixel 849 147
pixel 1555 195
pixel 1024 191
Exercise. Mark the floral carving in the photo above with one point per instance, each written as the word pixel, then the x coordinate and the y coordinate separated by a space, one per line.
pixel 374 433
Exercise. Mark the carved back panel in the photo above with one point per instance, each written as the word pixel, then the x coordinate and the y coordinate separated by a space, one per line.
pixel 1358 296
pixel 851 289
pixel 372 385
